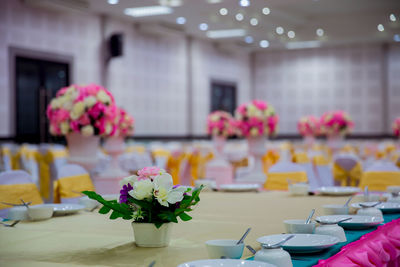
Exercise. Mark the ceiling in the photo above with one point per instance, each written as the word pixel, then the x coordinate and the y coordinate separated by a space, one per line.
pixel 342 21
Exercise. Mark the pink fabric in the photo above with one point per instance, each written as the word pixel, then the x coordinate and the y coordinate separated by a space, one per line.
pixel 378 248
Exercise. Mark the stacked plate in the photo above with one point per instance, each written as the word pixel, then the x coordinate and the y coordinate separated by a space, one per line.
pixel 385 207
pixel 225 263
pixel 338 190
pixel 356 222
pixel 239 187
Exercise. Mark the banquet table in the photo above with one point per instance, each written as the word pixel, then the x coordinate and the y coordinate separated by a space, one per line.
pixel 89 238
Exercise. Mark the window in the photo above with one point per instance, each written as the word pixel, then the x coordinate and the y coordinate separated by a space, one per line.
pixel 223 96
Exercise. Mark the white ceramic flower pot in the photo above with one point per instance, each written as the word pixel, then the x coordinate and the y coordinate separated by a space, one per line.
pixel 335 142
pixel 114 146
pixel 148 235
pixel 309 141
pixel 257 150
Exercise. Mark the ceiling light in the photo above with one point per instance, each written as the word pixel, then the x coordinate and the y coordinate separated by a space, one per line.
pixel 203 26
pixel 249 39
pixel 112 2
pixel 173 3
pixel 244 3
pixel 380 27
pixel 264 43
pixel 291 34
pixel 266 11
pixel 147 11
pixel 300 45
pixel 181 20
pixel 254 21
pixel 279 30
pixel 223 11
pixel 214 1
pixel 320 32
pixel 392 17
pixel 226 33
pixel 396 37
pixel 239 16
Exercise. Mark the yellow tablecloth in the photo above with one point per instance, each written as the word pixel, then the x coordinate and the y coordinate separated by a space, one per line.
pixel 92 239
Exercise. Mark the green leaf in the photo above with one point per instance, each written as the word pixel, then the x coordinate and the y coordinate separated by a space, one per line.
pixel 124 210
pixel 158 224
pixel 184 217
pixel 104 210
pixel 142 203
pixel 114 215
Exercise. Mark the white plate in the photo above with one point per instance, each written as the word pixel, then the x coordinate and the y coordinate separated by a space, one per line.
pixel 65 209
pixel 239 187
pixel 225 263
pixel 386 207
pixel 338 190
pixel 356 222
pixel 301 243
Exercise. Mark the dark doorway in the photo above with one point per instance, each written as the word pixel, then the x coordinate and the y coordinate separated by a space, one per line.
pixel 223 96
pixel 36 82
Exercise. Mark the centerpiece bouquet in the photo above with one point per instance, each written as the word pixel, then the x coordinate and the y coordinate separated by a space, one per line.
pixel 336 123
pixel 124 124
pixel 87 110
pixel 220 123
pixel 396 127
pixel 309 126
pixel 152 201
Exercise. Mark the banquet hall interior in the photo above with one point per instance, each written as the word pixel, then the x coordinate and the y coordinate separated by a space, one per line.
pixel 155 132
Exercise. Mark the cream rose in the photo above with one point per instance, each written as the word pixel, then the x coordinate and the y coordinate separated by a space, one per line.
pixel 64 126
pixel 142 189
pixel 87 130
pixel 103 97
pixel 77 110
pixel 90 101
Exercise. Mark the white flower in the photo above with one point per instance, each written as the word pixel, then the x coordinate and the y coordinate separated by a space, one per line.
pixel 77 110
pixel 90 101
pixel 55 103
pixel 103 97
pixel 87 130
pixel 164 192
pixel 142 189
pixel 214 117
pixel 254 132
pixel 252 110
pixel 64 126
pixel 108 128
pixel 128 180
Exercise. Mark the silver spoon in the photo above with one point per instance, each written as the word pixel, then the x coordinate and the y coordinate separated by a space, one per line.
pixel 252 250
pixel 348 201
pixel 15 205
pixel 279 244
pixel 366 192
pixel 152 264
pixel 10 225
pixel 24 203
pixel 370 206
pixel 336 222
pixel 244 236
pixel 310 216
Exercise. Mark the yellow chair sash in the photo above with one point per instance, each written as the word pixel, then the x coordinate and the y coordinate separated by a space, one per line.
pixel 379 181
pixel 278 180
pixel 301 158
pixel 320 160
pixel 12 193
pixel 70 187
pixel 197 164
pixel 342 175
pixel 174 167
pixel 269 159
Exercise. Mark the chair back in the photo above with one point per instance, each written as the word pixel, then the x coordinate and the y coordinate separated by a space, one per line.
pixel 278 175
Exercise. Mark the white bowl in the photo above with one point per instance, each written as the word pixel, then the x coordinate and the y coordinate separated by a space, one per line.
pixel 225 263
pixel 299 189
pixel 88 203
pixel 334 209
pixel 299 227
pixel 224 248
pixel 18 213
pixel 393 189
pixel 40 212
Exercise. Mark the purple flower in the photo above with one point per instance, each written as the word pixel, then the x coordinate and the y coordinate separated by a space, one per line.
pixel 123 198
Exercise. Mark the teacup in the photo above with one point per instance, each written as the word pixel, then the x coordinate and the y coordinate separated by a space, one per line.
pixel 335 209
pixel 224 248
pixel 40 212
pixel 299 227
pixel 299 189
pixel 332 230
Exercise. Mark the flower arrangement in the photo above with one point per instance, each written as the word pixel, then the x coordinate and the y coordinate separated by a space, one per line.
pixel 256 118
pixel 336 123
pixel 89 110
pixel 150 197
pixel 396 127
pixel 124 124
pixel 220 123
pixel 309 126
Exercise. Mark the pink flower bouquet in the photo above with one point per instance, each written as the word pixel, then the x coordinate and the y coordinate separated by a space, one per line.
pixel 124 124
pixel 256 118
pixel 309 126
pixel 220 123
pixel 88 110
pixel 336 123
pixel 396 127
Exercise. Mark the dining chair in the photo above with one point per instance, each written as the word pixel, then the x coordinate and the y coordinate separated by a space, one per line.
pixel 380 175
pixel 279 174
pixel 347 169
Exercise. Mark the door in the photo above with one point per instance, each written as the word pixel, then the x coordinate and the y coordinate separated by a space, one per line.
pixel 223 96
pixel 37 82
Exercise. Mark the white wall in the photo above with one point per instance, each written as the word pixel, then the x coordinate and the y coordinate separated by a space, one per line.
pixel 311 81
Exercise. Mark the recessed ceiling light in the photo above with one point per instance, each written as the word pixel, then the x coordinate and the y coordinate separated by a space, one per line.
pixel 396 37
pixel 249 39
pixel 226 33
pixel 264 43
pixel 214 1
pixel 239 16
pixel 266 11
pixel 244 3
pixel 223 11
pixel 279 30
pixel 173 3
pixel 203 26
pixel 300 45
pixel 392 17
pixel 320 32
pixel 380 27
pixel 112 2
pixel 147 11
pixel 291 34
pixel 181 20
pixel 254 21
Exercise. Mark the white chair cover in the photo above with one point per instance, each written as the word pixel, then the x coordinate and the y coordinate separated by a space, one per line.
pixel 68 170
pixel 383 166
pixel 346 161
pixel 286 167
